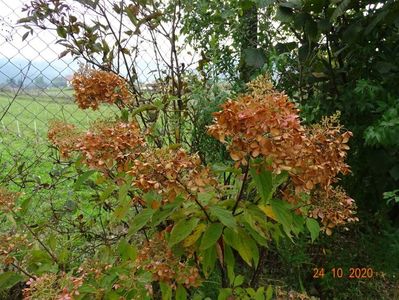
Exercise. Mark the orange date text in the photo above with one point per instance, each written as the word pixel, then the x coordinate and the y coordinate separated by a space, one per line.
pixel 351 273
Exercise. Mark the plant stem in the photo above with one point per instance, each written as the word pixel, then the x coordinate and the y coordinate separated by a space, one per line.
pixel 240 194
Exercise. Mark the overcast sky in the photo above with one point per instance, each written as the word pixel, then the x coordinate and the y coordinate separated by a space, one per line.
pixel 41 45
pixel 12 46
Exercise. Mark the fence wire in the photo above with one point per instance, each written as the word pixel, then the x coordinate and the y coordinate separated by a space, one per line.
pixel 32 73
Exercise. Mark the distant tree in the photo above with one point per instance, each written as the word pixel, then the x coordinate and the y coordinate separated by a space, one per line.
pixel 59 82
pixel 39 82
pixel 12 83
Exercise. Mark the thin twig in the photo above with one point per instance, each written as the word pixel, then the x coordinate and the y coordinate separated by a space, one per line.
pixel 17 93
pixel 239 196
pixel 22 270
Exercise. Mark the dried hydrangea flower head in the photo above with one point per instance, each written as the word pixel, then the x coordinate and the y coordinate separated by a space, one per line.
pixel 333 207
pixel 111 143
pixel 64 136
pixel 171 172
pixel 156 257
pixel 7 200
pixel 264 124
pixel 103 146
pixel 93 87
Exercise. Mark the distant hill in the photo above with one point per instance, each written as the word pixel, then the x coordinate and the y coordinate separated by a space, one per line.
pixel 16 68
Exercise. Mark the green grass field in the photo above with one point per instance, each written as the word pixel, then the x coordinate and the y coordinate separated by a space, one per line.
pixel 30 113
pixel 23 130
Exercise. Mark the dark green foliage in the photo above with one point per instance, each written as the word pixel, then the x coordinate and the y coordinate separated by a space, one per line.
pixel 328 56
pixel 205 102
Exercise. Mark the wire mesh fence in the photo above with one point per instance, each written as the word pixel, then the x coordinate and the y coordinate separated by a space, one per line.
pixel 35 82
pixel 34 86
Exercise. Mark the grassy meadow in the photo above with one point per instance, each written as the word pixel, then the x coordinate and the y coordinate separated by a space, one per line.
pixel 23 130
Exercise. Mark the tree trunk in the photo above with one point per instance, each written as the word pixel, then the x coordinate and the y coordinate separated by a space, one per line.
pixel 249 34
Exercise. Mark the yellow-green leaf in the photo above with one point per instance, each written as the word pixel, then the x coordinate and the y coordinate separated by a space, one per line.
pixel 191 239
pixel 313 227
pixel 181 230
pixel 211 235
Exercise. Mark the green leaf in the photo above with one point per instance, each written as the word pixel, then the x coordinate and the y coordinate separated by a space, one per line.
pixel 131 16
pixel 25 205
pixel 26 20
pixel 211 235
pixel 324 25
pixel 82 179
pixel 121 210
pixel 244 244
pixel 285 47
pixel 166 291
pixel 140 220
pixel 265 3
pixel 248 249
pixel 181 230
pixel 311 30
pixel 9 279
pixel 63 255
pixel 181 293
pixel 260 294
pixel 378 18
pixel 300 20
pixel 291 3
pixel 151 197
pixel 261 240
pixel 254 57
pixel 122 193
pixel 229 261
pixel 63 53
pixel 221 168
pixel 264 183
pixel 25 35
pixel 209 260
pixel 87 289
pixel 161 215
pixel 107 192
pixel 352 33
pixel 224 294
pixel 165 211
pixel 224 216
pixel 124 202
pixel 282 212
pixel 341 9
pixel 239 280
pixel 111 295
pixel 52 241
pixel 269 293
pixel 61 31
pixel 205 197
pixel 313 227
pixel 127 251
pixel 284 14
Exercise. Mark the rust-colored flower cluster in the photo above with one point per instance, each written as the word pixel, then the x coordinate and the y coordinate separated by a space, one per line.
pixel 110 142
pixel 334 207
pixel 170 172
pixel 323 155
pixel 7 200
pixel 64 136
pixel 105 144
pixel 264 123
pixel 260 124
pixel 53 286
pixel 93 87
pixel 10 245
pixel 156 257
